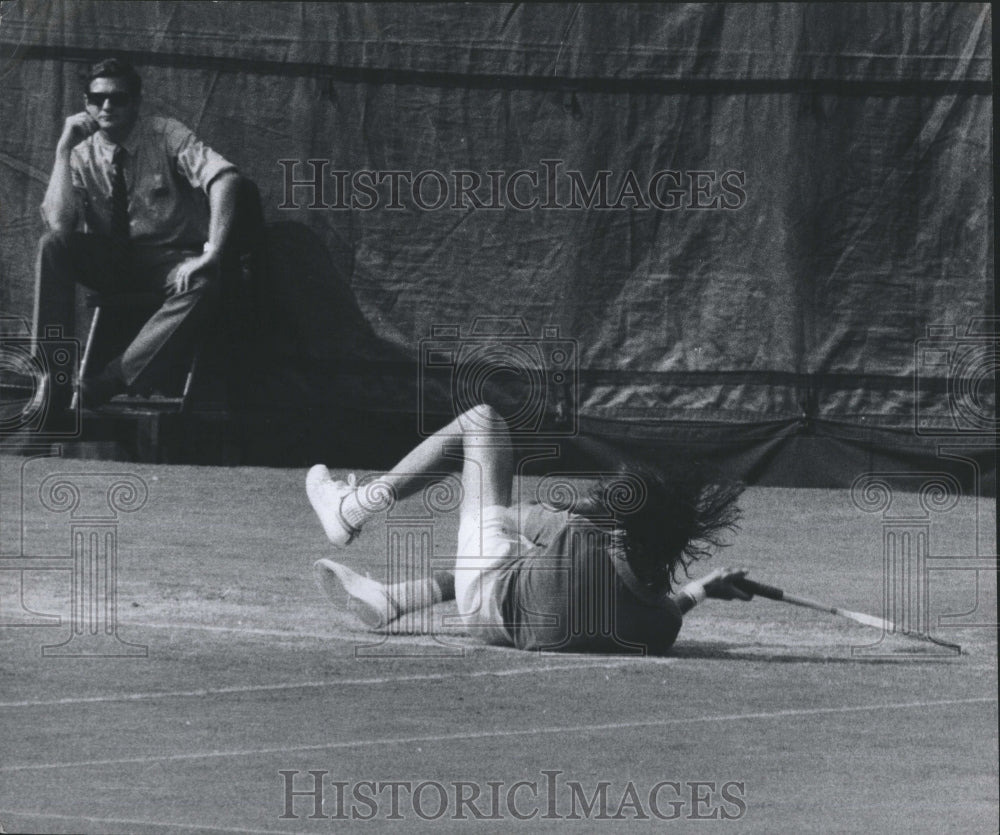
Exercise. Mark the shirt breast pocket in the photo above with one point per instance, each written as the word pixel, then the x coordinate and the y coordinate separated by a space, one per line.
pixel 157 188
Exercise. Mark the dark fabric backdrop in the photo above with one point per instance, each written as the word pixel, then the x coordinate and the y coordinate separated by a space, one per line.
pixel 861 132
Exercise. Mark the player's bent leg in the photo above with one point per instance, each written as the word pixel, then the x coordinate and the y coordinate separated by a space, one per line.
pixel 488 460
pixel 343 508
pixel 486 540
pixel 487 547
pixel 379 604
pixel 327 498
pixel 487 537
pixel 375 606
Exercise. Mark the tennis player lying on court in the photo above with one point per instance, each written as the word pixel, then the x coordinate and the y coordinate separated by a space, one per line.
pixel 590 576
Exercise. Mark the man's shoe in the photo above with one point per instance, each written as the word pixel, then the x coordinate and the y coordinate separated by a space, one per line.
pixel 376 608
pixel 326 496
pixel 97 390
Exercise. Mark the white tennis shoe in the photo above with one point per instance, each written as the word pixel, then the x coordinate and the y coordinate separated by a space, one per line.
pixel 376 607
pixel 326 497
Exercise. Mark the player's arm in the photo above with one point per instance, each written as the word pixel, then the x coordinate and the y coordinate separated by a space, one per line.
pixel 716 584
pixel 59 208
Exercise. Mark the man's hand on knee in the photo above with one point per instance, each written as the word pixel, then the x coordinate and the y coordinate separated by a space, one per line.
pixel 207 261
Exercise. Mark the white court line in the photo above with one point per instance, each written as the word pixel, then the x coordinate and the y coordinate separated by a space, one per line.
pixel 198 827
pixel 302 685
pixel 367 639
pixel 270 633
pixel 552 729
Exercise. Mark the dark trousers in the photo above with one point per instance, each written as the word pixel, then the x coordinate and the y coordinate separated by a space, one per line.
pixel 171 332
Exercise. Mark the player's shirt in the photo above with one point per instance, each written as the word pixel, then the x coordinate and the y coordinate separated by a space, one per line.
pixel 572 591
pixel 167 174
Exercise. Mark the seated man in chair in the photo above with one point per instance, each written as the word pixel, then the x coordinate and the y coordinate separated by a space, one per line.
pixel 126 212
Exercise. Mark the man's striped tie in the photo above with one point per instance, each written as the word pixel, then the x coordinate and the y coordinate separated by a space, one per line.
pixel 119 219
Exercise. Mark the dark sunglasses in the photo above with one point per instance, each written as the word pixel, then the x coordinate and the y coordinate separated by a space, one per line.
pixel 116 99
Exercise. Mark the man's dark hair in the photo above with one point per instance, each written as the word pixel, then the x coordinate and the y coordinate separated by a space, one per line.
pixel 116 68
pixel 671 517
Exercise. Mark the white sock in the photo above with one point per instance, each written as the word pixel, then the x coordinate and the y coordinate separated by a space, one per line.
pixel 367 500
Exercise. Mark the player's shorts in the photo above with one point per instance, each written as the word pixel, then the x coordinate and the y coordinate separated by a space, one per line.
pixel 539 579
pixel 489 546
pixel 514 590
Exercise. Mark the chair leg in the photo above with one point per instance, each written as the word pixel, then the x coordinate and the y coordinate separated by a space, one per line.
pixel 189 377
pixel 85 361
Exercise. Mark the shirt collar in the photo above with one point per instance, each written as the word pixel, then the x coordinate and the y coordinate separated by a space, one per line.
pixel 131 143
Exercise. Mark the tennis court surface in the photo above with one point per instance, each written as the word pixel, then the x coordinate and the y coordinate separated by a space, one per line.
pixel 233 697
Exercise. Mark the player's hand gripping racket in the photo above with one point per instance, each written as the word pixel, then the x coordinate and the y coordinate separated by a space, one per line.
pixel 752 587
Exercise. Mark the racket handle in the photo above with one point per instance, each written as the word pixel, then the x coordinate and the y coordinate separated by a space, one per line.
pixel 752 587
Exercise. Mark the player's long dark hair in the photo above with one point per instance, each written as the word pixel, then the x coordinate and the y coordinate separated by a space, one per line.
pixel 670 517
